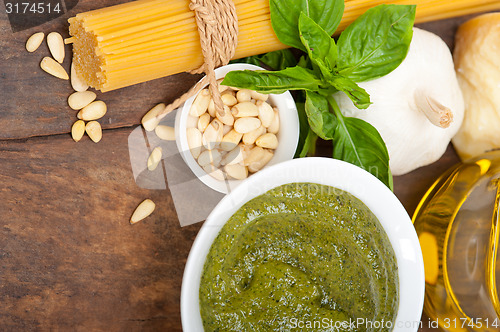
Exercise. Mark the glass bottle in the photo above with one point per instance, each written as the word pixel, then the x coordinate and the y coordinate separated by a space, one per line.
pixel 457 225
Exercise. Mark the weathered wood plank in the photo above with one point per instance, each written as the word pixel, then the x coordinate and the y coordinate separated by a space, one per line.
pixel 33 103
pixel 69 259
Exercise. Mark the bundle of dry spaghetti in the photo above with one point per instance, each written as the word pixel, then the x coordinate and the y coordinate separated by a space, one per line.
pixel 143 40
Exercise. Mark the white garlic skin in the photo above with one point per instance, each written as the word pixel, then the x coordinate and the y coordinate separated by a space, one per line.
pixel 411 139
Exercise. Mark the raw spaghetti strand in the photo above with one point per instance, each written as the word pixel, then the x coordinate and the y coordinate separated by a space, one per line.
pixel 218 28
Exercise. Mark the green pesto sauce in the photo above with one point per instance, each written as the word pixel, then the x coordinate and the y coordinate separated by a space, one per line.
pixel 298 255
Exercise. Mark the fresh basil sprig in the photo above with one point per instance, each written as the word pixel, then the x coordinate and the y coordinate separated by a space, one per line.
pixel 285 15
pixel 372 46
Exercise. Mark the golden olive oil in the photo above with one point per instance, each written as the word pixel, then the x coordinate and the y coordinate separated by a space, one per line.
pixel 457 226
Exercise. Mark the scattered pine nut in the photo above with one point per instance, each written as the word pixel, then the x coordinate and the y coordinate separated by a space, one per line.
pixel 56 46
pixel 78 130
pixel 154 158
pixel 143 211
pixel 52 67
pixel 93 111
pixel 165 133
pixel 94 130
pixel 79 100
pixel 150 120
pixel 77 83
pixel 34 41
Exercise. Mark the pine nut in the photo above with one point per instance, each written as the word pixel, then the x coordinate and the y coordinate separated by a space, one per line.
pixel 229 99
pixel 230 140
pixel 165 133
pixel 255 154
pixel 94 130
pixel 245 152
pixel 194 139
pixel 77 83
pixel 203 121
pixel 259 96
pixel 53 68
pixel 246 125
pixel 56 46
pixel 211 108
pixel 245 109
pixel 150 119
pixel 214 172
pixel 221 87
pixel 249 138
pixel 143 211
pixel 259 164
pixel 227 118
pixel 268 141
pixel 226 129
pixel 210 157
pixel 93 111
pixel 200 103
pixel 34 41
pixel 154 158
pixel 236 171
pixel 275 125
pixel 266 113
pixel 78 130
pixel 79 100
pixel 213 134
pixel 243 95
pixel 234 156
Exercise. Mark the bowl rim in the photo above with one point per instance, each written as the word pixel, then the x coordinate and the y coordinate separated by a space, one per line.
pixel 358 182
pixel 289 131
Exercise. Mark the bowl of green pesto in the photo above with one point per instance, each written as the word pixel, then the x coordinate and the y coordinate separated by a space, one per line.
pixel 311 244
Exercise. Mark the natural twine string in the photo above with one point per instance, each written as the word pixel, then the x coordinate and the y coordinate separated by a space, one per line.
pixel 218 28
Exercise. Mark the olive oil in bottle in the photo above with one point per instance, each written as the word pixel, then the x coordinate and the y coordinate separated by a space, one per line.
pixel 457 226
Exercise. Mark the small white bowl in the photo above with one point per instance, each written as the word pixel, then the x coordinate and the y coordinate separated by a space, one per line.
pixel 373 193
pixel 288 135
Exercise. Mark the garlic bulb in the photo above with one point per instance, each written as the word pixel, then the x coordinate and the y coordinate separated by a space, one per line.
pixel 477 50
pixel 417 108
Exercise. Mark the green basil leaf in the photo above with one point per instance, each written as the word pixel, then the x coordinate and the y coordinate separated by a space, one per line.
pixel 292 78
pixel 321 120
pixel 253 60
pixel 358 142
pixel 279 60
pixel 376 43
pixel 285 17
pixel 276 60
pixel 320 46
pixel 358 95
pixel 309 146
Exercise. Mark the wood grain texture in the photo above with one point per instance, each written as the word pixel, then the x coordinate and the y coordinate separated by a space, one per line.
pixel 34 103
pixel 69 259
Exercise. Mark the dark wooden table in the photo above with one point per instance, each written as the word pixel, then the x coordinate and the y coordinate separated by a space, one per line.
pixel 69 259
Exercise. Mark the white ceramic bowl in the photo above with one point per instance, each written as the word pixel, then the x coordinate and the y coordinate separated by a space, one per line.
pixel 288 136
pixel 377 197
